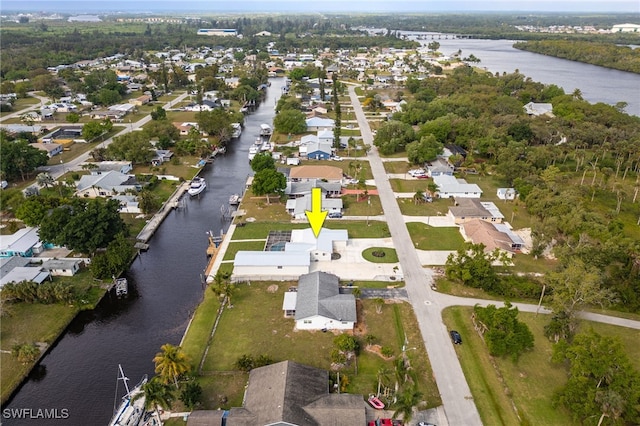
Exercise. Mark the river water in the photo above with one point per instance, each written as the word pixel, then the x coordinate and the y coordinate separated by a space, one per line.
pixel 79 374
pixel 597 84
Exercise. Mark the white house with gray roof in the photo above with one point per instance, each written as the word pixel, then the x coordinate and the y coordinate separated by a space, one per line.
pixel 106 184
pixel 296 207
pixel 449 186
pixel 293 260
pixel 319 305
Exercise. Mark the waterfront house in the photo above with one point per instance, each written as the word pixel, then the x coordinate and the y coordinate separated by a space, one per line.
pixel 317 123
pixel 62 267
pixel 106 184
pixel 318 304
pixel 296 207
pixel 313 172
pixel 270 265
pixel 161 156
pixel 25 273
pixel 300 189
pixel 292 394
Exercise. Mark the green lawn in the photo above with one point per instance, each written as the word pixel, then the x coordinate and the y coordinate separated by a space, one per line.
pixel 409 207
pixel 527 384
pixel 28 323
pixel 389 255
pixel 427 237
pixel 349 167
pixel 528 264
pixel 362 207
pixel 397 166
pixel 401 185
pixel 256 326
pixel 235 247
pixel 356 229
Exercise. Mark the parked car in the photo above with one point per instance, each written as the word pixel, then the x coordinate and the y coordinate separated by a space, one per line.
pixel 336 158
pixel 335 215
pixel 425 424
pixel 455 337
pixel 417 172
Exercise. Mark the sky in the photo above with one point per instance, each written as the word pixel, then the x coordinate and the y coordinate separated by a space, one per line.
pixel 92 6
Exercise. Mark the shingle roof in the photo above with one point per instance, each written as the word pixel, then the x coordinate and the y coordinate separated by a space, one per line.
pixel 295 394
pixel 316 172
pixel 319 294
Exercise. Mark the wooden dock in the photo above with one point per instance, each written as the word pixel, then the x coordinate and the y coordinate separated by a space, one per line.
pixel 150 228
pixel 212 251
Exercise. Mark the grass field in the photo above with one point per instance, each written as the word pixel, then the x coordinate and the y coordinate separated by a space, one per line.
pixel 401 185
pixel 427 237
pixel 256 326
pixel 235 247
pixel 397 166
pixel 439 207
pixel 356 229
pixel 499 384
pixel 35 322
pixel 362 207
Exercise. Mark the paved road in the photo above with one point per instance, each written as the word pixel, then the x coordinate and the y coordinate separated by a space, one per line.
pixel 428 304
pixel 42 99
pixel 75 164
pixel 454 390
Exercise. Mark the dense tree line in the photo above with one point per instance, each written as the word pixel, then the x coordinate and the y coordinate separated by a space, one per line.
pixel 576 173
pixel 29 47
pixel 622 58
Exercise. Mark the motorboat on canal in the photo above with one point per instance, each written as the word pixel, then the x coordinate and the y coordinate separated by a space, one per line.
pixel 198 185
pixel 131 410
pixel 265 130
pixel 234 200
pixel 253 150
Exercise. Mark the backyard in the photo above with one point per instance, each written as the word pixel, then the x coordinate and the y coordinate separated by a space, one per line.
pixel 255 326
pixel 427 237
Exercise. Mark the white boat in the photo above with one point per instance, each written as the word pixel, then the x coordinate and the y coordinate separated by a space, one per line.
pixel 265 130
pixel 258 142
pixel 253 150
pixel 234 200
pixel 237 130
pixel 265 147
pixel 131 410
pixel 198 185
pixel 122 287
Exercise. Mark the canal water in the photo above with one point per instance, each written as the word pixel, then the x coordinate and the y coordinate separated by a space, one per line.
pixel 597 84
pixel 79 374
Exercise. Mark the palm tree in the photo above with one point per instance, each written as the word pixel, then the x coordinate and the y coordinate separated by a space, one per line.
pixel 379 302
pixel 171 363
pixel 418 196
pixel 44 179
pixel 222 286
pixel 382 375
pixel 409 398
pixel 155 394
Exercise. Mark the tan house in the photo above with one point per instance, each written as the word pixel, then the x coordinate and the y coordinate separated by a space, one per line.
pixel 306 173
pixel 468 209
pixel 492 236
pixel 141 100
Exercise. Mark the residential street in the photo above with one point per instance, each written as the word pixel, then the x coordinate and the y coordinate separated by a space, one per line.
pixel 428 304
pixel 75 164
pixel 456 395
